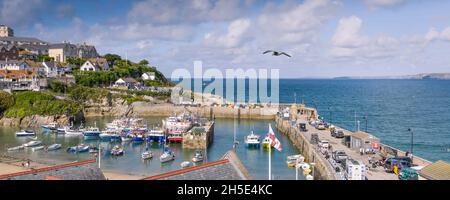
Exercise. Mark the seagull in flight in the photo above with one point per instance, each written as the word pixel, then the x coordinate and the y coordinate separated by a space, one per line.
pixel 277 53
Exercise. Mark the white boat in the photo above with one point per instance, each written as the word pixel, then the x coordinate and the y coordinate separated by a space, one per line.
pixel 117 151
pixel 252 140
pixel 37 148
pixel 186 164
pixel 62 130
pixel 78 149
pixel 73 132
pixel 25 133
pixel 167 156
pixel 16 148
pixel 294 160
pixel 147 155
pixel 91 133
pixel 51 126
pixel 198 157
pixel 125 139
pixel 54 147
pixel 32 143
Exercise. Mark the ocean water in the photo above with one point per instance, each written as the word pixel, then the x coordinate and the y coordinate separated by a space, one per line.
pixel 385 108
pixel 255 160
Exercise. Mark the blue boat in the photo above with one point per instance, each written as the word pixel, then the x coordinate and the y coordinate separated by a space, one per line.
pixel 156 135
pixel 92 133
pixel 137 138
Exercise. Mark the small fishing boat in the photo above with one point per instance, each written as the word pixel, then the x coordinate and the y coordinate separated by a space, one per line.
pixel 117 151
pixel 37 148
pixel 167 156
pixel 73 132
pixel 51 126
pixel 93 149
pixel 105 136
pixel 17 148
pixel 147 155
pixel 115 137
pixel 156 135
pixel 92 133
pixel 252 140
pixel 198 157
pixel 186 164
pixel 78 149
pixel 54 147
pixel 294 160
pixel 266 142
pixel 125 139
pixel 175 137
pixel 25 133
pixel 62 130
pixel 32 143
pixel 137 138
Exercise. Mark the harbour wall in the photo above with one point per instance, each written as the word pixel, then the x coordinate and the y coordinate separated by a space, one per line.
pixel 322 168
pixel 192 140
pixel 148 109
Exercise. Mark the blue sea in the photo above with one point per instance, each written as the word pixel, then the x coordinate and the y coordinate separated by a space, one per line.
pixel 385 108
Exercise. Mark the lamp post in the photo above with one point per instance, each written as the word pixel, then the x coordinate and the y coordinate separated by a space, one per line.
pixel 412 142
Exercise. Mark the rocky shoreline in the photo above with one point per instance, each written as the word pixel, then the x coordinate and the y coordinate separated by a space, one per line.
pixel 38 120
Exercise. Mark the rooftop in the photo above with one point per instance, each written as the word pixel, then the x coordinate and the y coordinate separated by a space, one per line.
pixel 21 39
pixel 229 167
pixel 84 170
pixel 362 135
pixel 439 170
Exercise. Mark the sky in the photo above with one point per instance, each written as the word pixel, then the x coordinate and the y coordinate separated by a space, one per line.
pixel 326 38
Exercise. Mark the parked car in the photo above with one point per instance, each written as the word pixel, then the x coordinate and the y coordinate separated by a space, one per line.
pixel 339 134
pixel 339 156
pixel 321 126
pixel 302 127
pixel 401 163
pixel 408 174
pixel 324 143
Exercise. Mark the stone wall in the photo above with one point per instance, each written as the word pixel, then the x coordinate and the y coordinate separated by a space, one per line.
pixel 323 170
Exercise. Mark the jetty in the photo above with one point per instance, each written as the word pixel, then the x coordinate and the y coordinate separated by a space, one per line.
pixel 200 136
pixel 291 116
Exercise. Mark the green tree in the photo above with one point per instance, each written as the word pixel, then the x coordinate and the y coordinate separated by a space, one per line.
pixel 144 62
pixel 112 58
pixel 6 101
pixel 44 58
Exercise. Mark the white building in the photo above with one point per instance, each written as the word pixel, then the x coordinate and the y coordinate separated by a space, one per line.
pixel 148 76
pixel 14 65
pixel 95 65
pixel 50 69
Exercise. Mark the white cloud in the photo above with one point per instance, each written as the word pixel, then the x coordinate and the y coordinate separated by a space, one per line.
pixel 233 37
pixel 382 3
pixel 434 34
pixel 348 33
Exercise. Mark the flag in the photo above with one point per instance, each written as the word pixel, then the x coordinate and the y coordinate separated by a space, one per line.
pixel 274 140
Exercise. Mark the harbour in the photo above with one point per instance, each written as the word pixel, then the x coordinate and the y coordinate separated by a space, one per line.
pixel 131 165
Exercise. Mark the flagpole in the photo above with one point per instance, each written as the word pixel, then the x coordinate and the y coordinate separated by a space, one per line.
pixel 270 160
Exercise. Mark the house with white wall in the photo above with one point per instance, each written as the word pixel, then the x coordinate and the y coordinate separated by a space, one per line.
pixel 148 76
pixel 95 65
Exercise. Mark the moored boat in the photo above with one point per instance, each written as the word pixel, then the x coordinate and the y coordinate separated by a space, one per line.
pixel 198 157
pixel 252 140
pixel 37 148
pixel 167 156
pixel 91 133
pixel 23 133
pixel 147 155
pixel 17 148
pixel 78 149
pixel 54 147
pixel 117 151
pixel 175 137
pixel 156 135
pixel 51 126
pixel 186 164
pixel 266 143
pixel 294 160
pixel 32 143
